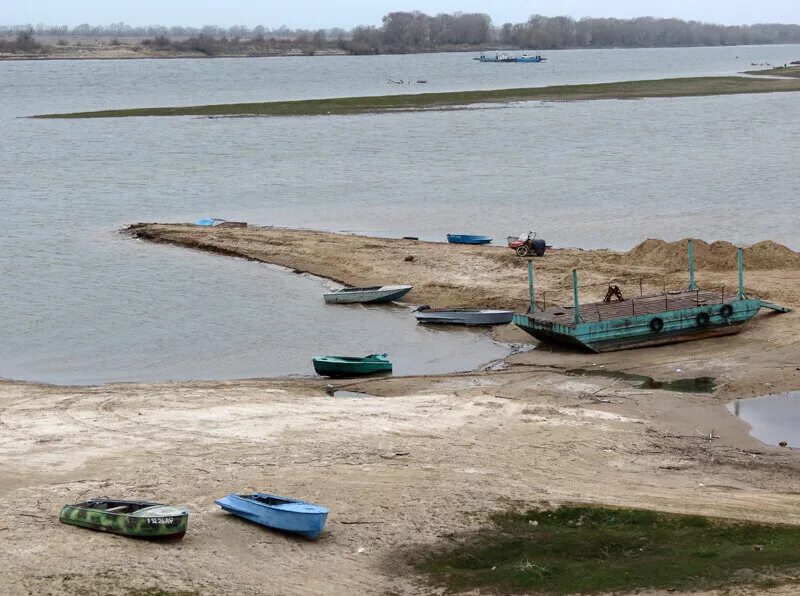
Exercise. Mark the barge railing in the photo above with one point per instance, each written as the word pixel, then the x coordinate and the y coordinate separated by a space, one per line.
pixel 713 296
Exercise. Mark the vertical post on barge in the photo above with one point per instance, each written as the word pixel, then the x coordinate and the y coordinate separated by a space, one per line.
pixel 575 302
pixel 532 307
pixel 692 285
pixel 740 265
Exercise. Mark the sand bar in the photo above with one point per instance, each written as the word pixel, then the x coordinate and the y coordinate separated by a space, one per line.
pixel 677 87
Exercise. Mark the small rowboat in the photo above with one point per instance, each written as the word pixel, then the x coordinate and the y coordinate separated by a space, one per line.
pixel 351 366
pixel 138 519
pixel 370 295
pixel 281 513
pixel 467 239
pixel 209 221
pixel 463 316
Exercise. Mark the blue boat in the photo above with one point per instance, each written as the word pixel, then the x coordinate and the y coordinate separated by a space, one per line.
pixel 530 58
pixel 468 239
pixel 280 513
pixel 209 221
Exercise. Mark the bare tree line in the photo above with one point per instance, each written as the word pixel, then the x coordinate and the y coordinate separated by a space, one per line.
pixel 415 31
pixel 564 32
pixel 121 31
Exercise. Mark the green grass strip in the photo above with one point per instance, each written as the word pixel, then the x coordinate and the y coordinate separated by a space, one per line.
pixel 596 549
pixel 686 87
pixel 780 71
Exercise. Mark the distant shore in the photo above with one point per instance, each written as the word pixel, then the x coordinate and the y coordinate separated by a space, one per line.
pixel 140 52
pixel 679 87
pixel 139 49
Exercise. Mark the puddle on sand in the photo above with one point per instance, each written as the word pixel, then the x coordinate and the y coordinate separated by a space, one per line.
pixel 333 391
pixel 774 419
pixel 343 393
pixel 696 385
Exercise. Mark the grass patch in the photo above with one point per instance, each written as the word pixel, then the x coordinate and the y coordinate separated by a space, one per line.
pixel 782 71
pixel 598 549
pixel 686 87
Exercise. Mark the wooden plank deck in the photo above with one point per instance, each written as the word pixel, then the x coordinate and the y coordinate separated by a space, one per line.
pixel 645 305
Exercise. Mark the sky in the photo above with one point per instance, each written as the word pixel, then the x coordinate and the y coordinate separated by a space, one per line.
pixel 324 14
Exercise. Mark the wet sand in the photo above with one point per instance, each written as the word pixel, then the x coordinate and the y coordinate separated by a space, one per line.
pixel 415 460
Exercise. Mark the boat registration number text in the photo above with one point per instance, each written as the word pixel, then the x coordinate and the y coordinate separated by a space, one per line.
pixel 160 520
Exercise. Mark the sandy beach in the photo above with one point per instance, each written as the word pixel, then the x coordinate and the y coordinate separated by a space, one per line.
pixel 414 460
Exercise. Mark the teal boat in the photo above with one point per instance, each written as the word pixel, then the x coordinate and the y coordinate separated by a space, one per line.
pixel 351 366
pixel 667 318
pixel 509 59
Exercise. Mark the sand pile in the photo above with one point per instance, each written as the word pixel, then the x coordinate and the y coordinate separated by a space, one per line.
pixel 717 256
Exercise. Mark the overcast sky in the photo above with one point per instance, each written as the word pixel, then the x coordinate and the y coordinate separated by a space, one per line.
pixel 316 14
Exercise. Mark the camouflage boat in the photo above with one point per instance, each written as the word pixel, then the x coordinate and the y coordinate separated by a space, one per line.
pixel 139 519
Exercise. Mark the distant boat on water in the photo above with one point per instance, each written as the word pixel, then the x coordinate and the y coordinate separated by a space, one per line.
pixel 530 58
pixel 508 58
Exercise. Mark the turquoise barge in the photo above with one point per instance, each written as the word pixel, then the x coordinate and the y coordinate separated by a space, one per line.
pixel 653 320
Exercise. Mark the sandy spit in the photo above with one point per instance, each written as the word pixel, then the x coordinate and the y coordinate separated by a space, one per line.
pixel 762 359
pixel 448 275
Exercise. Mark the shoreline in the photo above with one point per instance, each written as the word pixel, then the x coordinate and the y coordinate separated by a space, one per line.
pixel 467 445
pixel 452 276
pixel 132 54
pixel 92 48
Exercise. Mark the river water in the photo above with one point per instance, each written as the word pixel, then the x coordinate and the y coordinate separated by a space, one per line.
pixel 773 419
pixel 82 304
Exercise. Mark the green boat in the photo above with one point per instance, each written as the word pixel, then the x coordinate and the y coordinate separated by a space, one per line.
pixel 658 319
pixel 138 519
pixel 351 366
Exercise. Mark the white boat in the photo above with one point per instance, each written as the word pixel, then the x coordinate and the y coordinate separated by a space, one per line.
pixel 463 316
pixel 371 294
